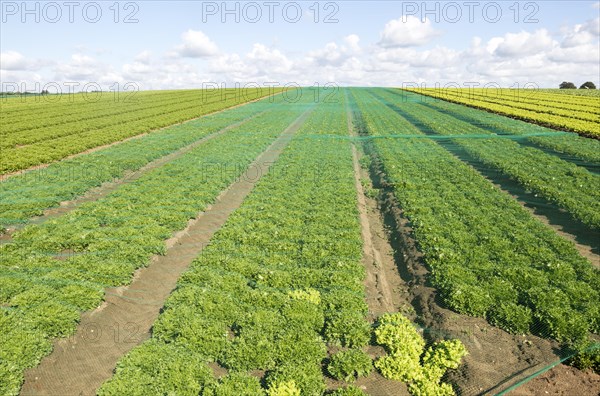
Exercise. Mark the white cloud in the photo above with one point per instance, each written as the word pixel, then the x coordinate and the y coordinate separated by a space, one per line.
pixel 24 80
pixel 331 54
pixel 13 60
pixel 85 69
pixel 411 32
pixel 196 45
pixel 352 42
pixel 522 43
pixel 136 68
pixel 144 57
pixel 576 37
pixel 584 53
pixel 581 34
pixel 537 56
pixel 592 26
pixel 268 60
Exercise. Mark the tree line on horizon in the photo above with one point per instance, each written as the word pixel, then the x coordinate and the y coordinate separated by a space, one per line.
pixel 570 85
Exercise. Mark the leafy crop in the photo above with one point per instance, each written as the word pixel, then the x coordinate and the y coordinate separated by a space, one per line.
pixel 29 194
pixel 410 362
pixel 569 186
pixel 349 364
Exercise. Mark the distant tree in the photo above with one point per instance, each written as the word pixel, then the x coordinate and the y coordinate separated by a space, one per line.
pixel 45 92
pixel 588 85
pixel 567 85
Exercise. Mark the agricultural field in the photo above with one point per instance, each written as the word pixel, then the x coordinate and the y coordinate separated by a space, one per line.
pixel 379 242
pixel 577 111
pixel 41 129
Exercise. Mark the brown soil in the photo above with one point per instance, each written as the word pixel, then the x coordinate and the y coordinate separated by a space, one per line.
pixel 80 364
pixel 561 380
pixel 5 176
pixel 383 280
pixel 385 290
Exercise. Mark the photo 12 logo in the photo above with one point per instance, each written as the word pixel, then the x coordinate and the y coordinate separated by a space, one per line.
pixel 269 11
pixel 291 92
pixel 471 11
pixel 69 11
pixel 69 91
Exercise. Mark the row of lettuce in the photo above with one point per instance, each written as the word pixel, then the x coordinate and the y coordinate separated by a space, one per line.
pixel 52 271
pixel 279 285
pixel 29 139
pixel 487 255
pixel 30 193
pixel 579 114
pixel 565 184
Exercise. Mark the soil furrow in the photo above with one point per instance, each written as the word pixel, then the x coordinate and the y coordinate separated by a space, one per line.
pixel 384 287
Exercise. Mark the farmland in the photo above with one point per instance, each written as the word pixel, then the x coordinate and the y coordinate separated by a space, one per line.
pixel 37 129
pixel 577 112
pixel 260 224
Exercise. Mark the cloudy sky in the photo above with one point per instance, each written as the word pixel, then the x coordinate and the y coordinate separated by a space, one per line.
pixel 188 44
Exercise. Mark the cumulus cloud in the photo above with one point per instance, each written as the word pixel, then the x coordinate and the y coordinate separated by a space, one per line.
pixel 80 67
pixel 331 54
pixel 268 60
pixel 13 60
pixel 86 69
pixel 196 44
pixel 584 53
pixel 522 43
pixel 581 34
pixel 410 32
pixel 592 26
pixel 131 69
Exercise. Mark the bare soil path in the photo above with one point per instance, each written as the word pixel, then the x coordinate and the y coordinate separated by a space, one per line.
pixel 384 288
pixel 80 364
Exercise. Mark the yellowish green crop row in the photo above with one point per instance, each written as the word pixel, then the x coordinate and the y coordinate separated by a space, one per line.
pixel 575 113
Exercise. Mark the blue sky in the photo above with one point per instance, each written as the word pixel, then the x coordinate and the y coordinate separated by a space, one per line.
pixel 183 44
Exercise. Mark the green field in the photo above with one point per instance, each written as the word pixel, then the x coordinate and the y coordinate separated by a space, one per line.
pixel 496 218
